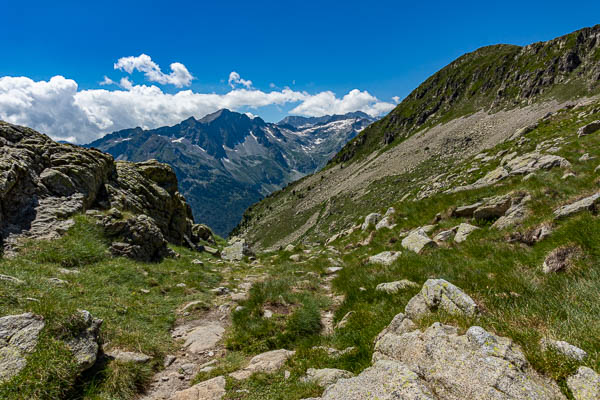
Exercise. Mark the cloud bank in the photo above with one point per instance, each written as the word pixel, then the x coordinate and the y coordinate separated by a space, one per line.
pixel 58 108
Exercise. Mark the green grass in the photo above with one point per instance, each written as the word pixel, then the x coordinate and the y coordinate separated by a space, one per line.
pixel 110 289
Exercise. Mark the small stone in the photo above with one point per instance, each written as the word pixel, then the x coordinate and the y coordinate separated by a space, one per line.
pixel 129 356
pixel 395 287
pixel 567 176
pixel 333 270
pixel 268 314
pixel 11 279
pixel 220 291
pixel 197 262
pixel 385 258
pixel 145 291
pixel 565 348
pixel 286 374
pixel 295 257
pixel 169 359
pixel 181 285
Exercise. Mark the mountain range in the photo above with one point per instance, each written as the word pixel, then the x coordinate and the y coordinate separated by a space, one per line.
pixel 227 161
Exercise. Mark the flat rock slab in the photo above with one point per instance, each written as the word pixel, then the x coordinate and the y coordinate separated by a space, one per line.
pixel 587 203
pixel 129 356
pixel 463 231
pixel 212 389
pixel 18 338
pixel 203 337
pixel 268 362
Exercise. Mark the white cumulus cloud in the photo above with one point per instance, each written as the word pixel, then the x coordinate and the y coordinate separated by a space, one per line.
pixel 325 103
pixel 179 76
pixel 60 109
pixel 236 79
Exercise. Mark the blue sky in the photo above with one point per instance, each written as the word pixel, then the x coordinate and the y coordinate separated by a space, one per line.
pixel 380 48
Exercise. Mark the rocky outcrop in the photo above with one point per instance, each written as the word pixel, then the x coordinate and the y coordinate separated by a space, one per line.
pixel 476 365
pixel 370 220
pixel 18 338
pixel 44 183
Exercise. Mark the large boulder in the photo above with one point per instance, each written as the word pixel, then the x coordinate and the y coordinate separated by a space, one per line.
pixel 18 338
pixel 441 294
pixel 449 366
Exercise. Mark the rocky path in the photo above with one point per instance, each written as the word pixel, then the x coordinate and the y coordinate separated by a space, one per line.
pixel 201 349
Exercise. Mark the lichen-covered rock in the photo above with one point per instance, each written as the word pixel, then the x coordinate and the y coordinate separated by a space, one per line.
pixel 417 241
pixel 385 257
pixel 85 343
pixel 441 294
pixel 585 384
pixel 386 222
pixel 476 365
pixel 385 380
pixel 326 377
pixel 18 338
